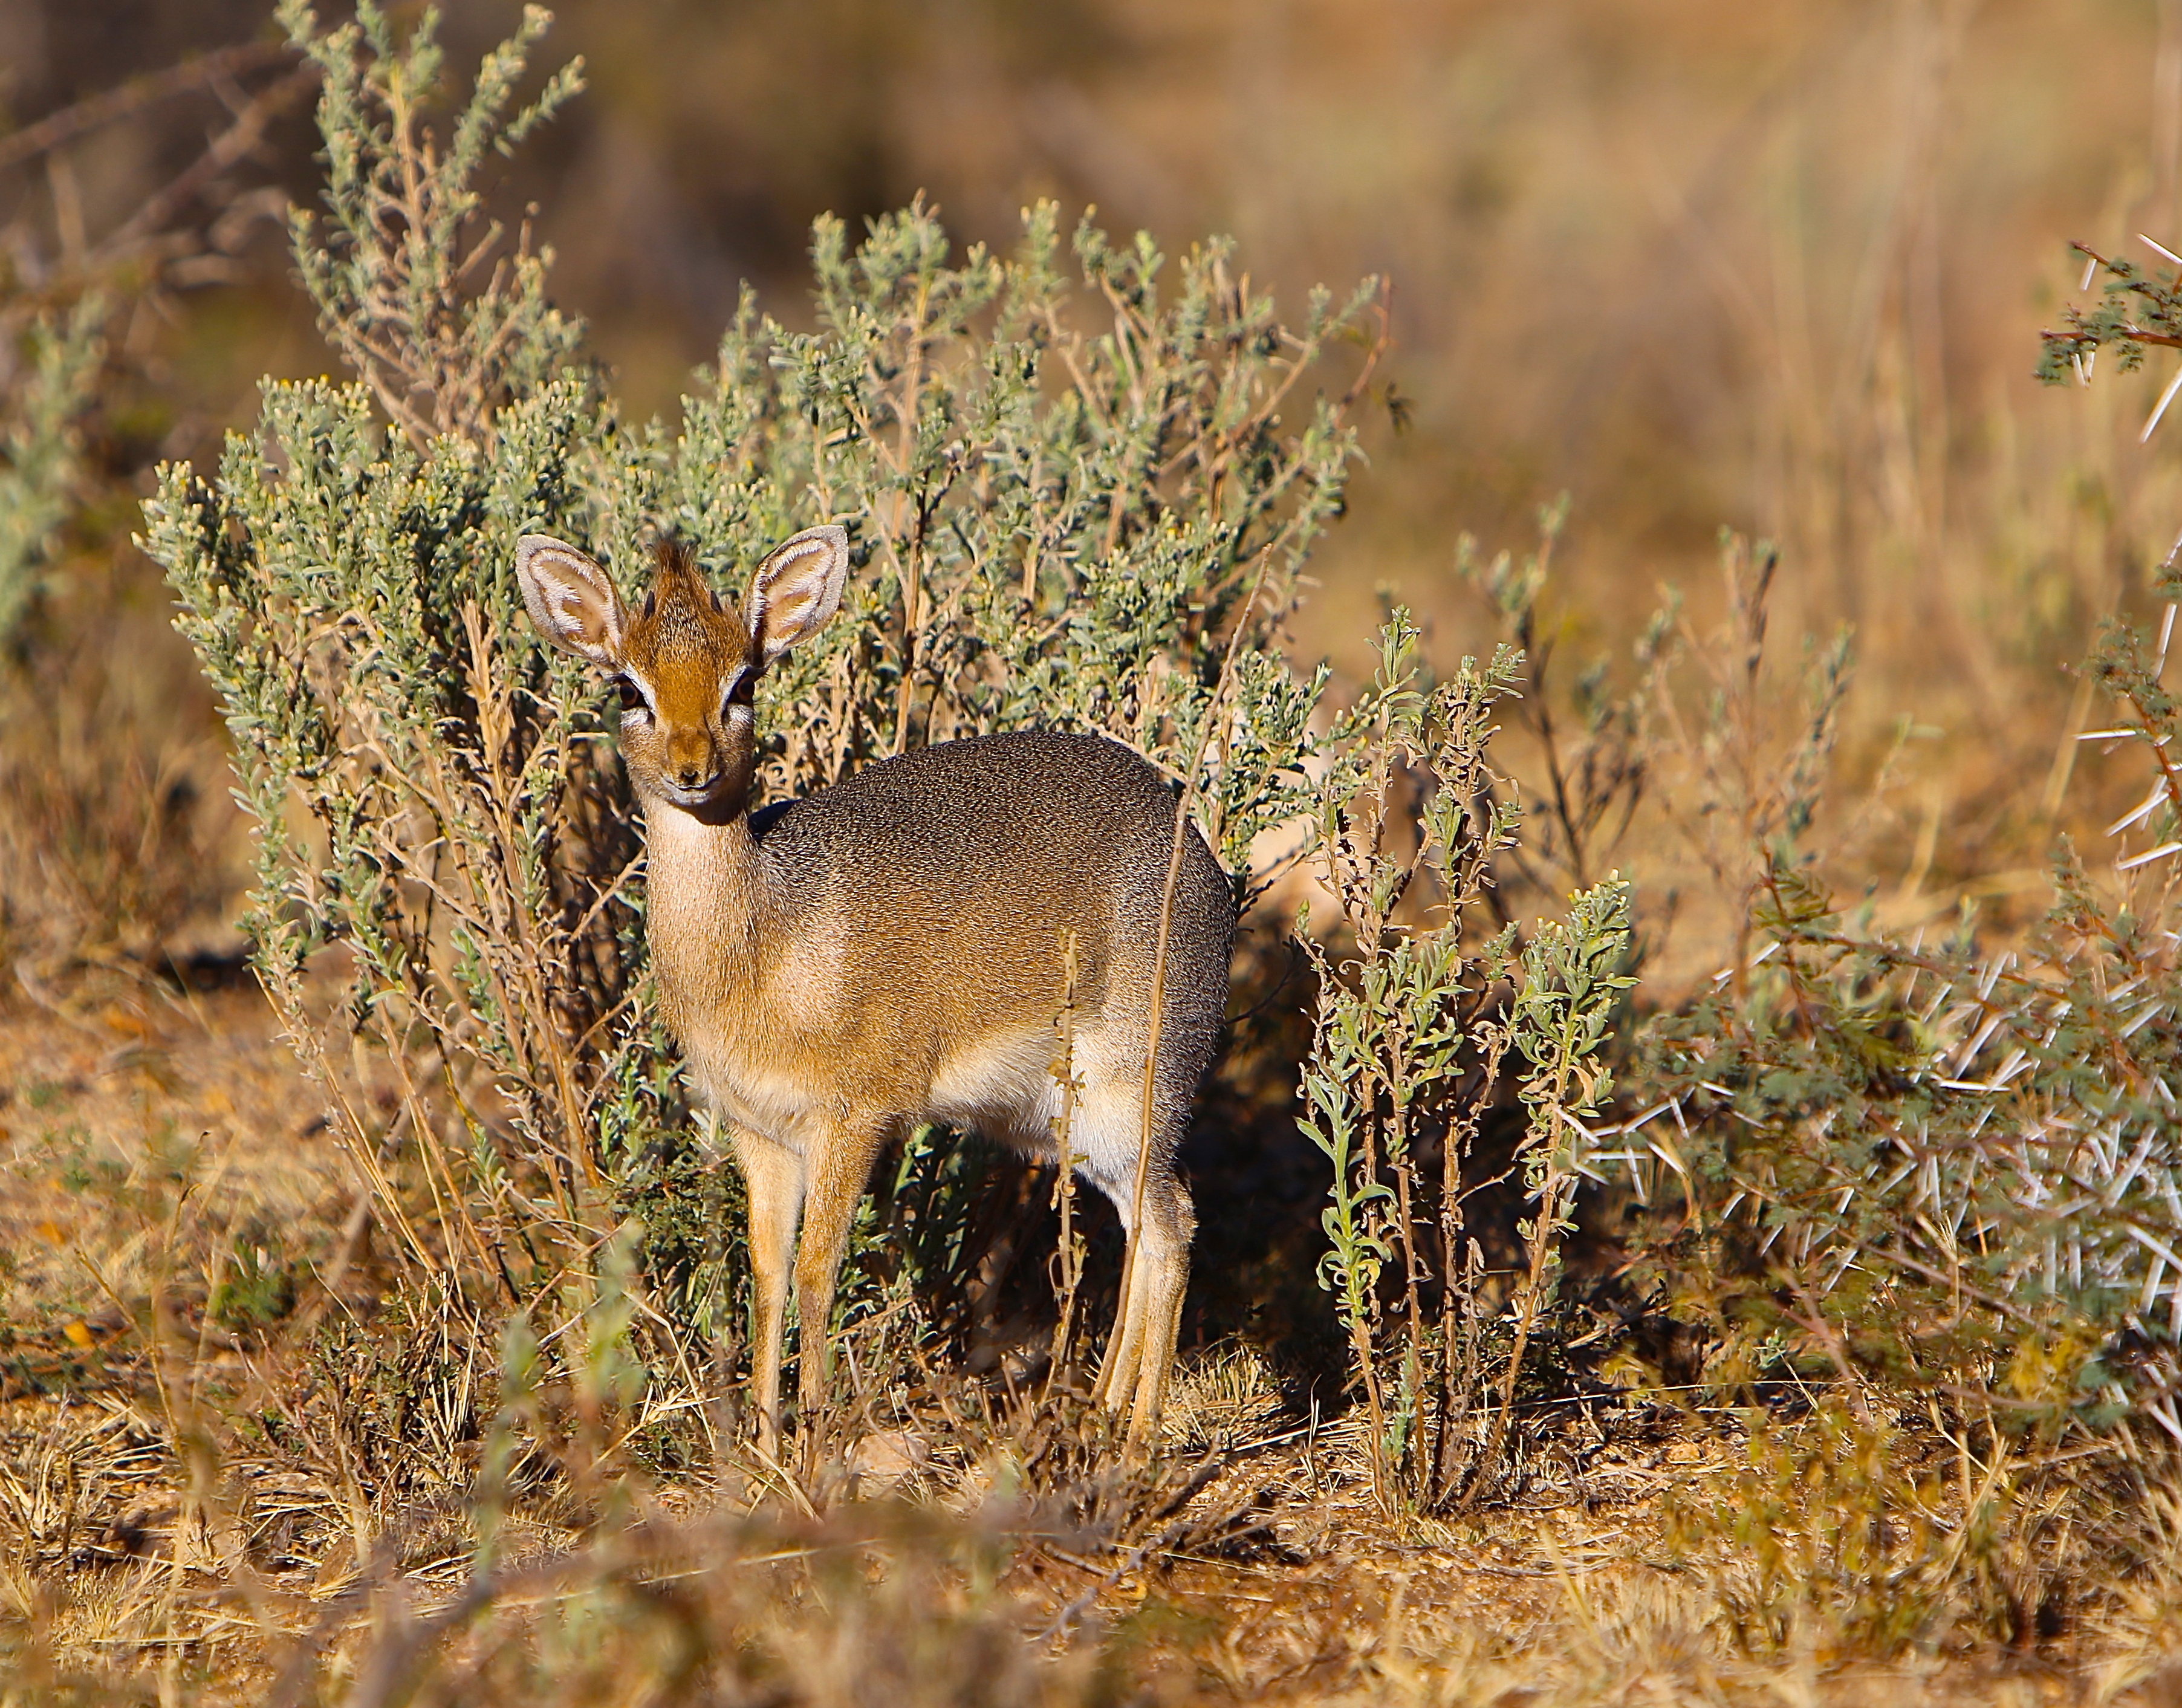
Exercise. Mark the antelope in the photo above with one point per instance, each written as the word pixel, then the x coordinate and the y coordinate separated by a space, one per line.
pixel 889 950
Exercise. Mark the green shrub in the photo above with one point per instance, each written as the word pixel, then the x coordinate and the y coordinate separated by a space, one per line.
pixel 1412 1023
pixel 43 397
pixel 1944 1162
pixel 1940 1163
pixel 1052 523
pixel 1947 1161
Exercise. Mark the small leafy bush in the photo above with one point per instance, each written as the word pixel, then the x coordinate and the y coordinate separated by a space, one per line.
pixel 1411 1027
pixel 103 819
pixel 1946 1161
pixel 1074 492
pixel 44 394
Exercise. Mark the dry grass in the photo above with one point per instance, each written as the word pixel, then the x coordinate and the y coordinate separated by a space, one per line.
pixel 216 1496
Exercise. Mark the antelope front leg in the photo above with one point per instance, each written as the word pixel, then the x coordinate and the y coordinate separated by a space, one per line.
pixel 834 1186
pixel 772 1180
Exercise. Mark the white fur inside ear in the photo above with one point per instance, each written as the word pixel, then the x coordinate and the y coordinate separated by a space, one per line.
pixel 797 589
pixel 570 598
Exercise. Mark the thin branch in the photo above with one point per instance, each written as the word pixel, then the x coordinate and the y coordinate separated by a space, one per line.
pixel 134 96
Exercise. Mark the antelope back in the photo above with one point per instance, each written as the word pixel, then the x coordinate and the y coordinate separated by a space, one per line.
pixel 925 919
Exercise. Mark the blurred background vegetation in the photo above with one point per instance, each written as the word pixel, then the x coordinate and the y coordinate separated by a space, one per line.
pixel 1776 267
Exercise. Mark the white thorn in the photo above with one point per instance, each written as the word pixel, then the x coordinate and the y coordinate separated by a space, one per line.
pixel 2160 409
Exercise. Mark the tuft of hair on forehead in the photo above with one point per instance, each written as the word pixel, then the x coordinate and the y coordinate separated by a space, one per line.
pixel 676 580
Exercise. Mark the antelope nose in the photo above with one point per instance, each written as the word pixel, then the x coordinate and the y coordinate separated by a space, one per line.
pixel 688 776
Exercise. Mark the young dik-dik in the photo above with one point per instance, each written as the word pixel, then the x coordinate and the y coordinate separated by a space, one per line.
pixel 889 950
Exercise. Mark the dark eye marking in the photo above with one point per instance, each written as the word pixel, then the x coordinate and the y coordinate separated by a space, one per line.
pixel 741 689
pixel 631 696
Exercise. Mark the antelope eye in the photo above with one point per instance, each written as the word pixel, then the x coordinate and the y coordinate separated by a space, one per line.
pixel 741 691
pixel 631 696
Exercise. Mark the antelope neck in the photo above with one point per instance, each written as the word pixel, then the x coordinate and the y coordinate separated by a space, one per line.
pixel 703 888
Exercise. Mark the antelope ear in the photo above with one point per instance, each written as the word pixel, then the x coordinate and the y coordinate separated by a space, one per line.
pixel 570 599
pixel 796 591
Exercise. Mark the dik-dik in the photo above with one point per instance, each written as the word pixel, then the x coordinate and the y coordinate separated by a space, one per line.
pixel 890 951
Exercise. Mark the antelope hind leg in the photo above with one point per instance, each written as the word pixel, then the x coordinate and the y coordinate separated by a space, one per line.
pixel 1159 1307
pixel 1117 1368
pixel 1161 1277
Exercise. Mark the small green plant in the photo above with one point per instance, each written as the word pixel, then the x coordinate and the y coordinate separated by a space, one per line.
pixel 1568 983
pixel 256 1286
pixel 1412 822
pixel 41 421
pixel 1399 1026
